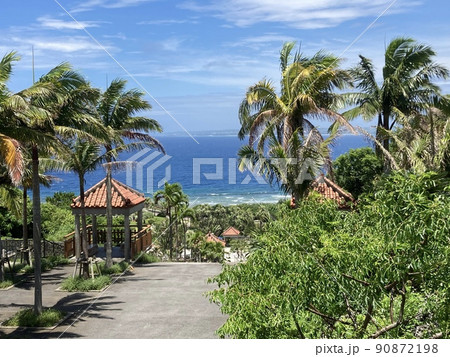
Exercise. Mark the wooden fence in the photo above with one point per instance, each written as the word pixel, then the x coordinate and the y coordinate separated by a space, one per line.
pixel 139 240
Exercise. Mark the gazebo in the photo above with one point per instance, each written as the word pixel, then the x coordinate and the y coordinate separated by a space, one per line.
pixel 124 200
pixel 231 233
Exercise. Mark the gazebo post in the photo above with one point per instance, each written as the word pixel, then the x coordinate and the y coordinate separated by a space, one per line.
pixel 77 236
pixel 139 221
pixel 94 230
pixel 127 237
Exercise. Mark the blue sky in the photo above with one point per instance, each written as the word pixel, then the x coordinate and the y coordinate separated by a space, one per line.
pixel 197 58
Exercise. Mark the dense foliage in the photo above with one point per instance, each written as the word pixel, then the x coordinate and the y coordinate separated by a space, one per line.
pixel 61 199
pixel 380 271
pixel 244 217
pixel 57 222
pixel 356 170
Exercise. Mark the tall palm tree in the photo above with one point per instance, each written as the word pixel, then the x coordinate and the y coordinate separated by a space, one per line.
pixel 284 121
pixel 172 196
pixel 19 113
pixel 61 103
pixel 405 89
pixel 183 212
pixel 118 109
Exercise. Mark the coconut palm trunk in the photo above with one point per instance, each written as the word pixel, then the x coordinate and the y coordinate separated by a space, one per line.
pixel 108 219
pixel 84 238
pixel 36 231
pixel 25 225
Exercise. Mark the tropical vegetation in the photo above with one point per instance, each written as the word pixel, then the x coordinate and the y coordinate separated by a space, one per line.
pixel 379 270
pixel 59 114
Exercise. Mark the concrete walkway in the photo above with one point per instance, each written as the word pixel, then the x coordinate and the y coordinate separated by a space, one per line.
pixel 160 300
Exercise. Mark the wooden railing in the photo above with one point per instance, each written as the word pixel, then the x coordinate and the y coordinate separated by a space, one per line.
pixel 139 240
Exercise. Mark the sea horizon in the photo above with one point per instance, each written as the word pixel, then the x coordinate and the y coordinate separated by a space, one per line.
pixel 206 168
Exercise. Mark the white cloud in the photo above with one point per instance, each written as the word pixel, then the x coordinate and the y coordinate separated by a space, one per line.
pixel 120 36
pixel 51 23
pixel 108 4
pixel 261 42
pixel 60 44
pixel 305 14
pixel 167 22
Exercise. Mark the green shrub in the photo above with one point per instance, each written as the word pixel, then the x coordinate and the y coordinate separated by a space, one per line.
pixel 211 251
pixel 56 222
pixel 146 258
pixel 28 318
pixel 356 170
pixel 50 262
pixel 46 264
pixel 82 284
pixel 117 268
pixel 6 284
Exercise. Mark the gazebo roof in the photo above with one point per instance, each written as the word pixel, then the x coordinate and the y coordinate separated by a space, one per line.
pixel 230 232
pixel 122 196
pixel 328 189
pixel 211 237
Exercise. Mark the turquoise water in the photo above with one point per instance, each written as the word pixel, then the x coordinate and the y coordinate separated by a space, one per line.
pixel 217 181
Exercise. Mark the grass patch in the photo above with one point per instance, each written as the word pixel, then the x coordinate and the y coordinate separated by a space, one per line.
pixel 53 261
pixel 27 318
pixel 117 268
pixel 6 284
pixel 16 269
pixel 146 258
pixel 82 284
pixel 47 264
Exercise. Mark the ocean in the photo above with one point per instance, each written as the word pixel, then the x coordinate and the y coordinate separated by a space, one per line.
pixel 207 171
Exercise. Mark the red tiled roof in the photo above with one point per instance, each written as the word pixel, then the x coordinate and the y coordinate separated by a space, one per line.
pixel 123 196
pixel 211 237
pixel 329 190
pixel 231 231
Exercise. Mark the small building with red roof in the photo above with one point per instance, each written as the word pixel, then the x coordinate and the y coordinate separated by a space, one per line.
pixel 211 237
pixel 330 190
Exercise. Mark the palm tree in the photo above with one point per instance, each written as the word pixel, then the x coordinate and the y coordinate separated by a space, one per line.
pixel 117 109
pixel 284 121
pixel 406 86
pixel 19 114
pixel 10 106
pixel 422 143
pixel 183 212
pixel 61 103
pixel 84 156
pixel 172 196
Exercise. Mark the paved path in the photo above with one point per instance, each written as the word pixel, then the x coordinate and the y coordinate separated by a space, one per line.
pixel 160 300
